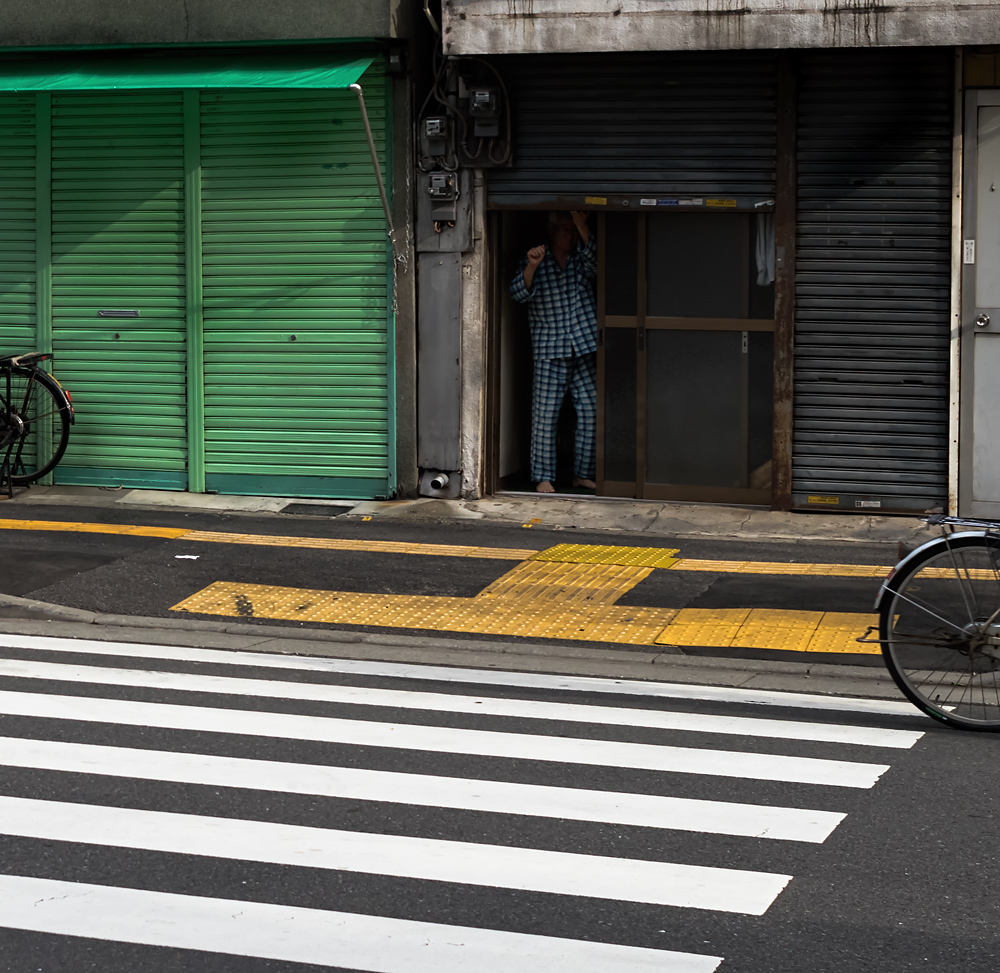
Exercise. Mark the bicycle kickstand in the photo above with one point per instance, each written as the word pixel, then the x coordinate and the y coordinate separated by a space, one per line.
pixel 7 473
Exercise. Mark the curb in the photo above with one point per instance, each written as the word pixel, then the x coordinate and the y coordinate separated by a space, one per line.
pixel 823 678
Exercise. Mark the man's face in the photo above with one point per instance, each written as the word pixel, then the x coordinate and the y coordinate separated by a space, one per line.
pixel 563 233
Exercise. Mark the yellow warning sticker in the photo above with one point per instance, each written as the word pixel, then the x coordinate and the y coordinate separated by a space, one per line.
pixel 833 500
pixel 600 200
pixel 720 202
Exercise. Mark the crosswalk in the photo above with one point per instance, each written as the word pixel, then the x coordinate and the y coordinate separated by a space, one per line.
pixel 424 788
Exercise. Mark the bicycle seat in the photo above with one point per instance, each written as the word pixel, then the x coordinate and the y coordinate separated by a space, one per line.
pixel 25 359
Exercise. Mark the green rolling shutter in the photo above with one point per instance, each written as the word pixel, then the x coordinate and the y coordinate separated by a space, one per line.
pixel 17 224
pixel 212 272
pixel 297 384
pixel 18 235
pixel 118 246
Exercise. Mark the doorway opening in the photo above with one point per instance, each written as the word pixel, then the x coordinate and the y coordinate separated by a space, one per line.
pixel 685 357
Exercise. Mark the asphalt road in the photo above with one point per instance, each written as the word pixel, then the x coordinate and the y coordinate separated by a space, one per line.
pixel 146 576
pixel 907 880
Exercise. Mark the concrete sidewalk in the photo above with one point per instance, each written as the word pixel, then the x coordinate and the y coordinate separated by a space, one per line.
pixel 653 518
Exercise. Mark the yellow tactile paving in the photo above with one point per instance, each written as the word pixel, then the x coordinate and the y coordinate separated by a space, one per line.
pixel 565 592
pixel 550 582
pixel 972 574
pixel 838 632
pixel 778 567
pixel 704 626
pixel 487 616
pixel 650 557
pixel 762 628
pixel 745 628
pixel 788 630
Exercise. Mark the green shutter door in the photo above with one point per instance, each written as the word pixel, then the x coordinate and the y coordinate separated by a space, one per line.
pixel 118 245
pixel 297 379
pixel 19 255
pixel 17 224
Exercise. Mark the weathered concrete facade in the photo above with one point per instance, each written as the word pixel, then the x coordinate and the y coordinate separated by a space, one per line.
pixel 861 162
pixel 562 26
pixel 79 22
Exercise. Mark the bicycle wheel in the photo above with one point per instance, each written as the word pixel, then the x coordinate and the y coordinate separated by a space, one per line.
pixel 939 623
pixel 34 423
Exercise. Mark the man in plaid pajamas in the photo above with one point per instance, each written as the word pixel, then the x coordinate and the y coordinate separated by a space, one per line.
pixel 556 283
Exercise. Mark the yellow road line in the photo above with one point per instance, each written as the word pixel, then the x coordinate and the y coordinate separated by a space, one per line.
pixel 651 557
pixel 61 525
pixel 371 547
pixel 274 540
pixel 778 567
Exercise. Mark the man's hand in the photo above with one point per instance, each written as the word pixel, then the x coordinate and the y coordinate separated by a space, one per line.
pixel 535 257
pixel 580 221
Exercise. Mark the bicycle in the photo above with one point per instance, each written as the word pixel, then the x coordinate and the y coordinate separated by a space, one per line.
pixel 939 624
pixel 35 415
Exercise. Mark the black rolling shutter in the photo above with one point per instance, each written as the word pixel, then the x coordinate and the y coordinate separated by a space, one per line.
pixel 643 124
pixel 873 280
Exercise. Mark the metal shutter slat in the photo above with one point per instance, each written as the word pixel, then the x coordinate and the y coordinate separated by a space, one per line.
pixel 873 281
pixel 636 124
pixel 294 244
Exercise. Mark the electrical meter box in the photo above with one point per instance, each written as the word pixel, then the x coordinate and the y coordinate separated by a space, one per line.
pixel 434 132
pixel 484 107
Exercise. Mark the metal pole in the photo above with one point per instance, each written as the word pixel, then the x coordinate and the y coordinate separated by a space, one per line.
pixel 378 171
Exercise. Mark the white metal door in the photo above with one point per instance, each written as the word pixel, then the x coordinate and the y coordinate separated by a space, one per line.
pixel 979 455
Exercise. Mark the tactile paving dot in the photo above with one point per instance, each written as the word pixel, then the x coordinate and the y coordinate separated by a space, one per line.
pixel 650 557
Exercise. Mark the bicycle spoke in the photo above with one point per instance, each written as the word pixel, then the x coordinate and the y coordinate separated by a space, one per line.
pixel 37 422
pixel 935 623
pixel 925 608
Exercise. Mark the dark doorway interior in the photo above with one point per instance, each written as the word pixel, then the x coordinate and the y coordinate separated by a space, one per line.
pixel 685 357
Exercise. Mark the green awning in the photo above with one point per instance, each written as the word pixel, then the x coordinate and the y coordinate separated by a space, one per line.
pixel 310 69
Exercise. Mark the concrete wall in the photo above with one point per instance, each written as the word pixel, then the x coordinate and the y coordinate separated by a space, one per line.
pixel 40 23
pixel 474 309
pixel 540 26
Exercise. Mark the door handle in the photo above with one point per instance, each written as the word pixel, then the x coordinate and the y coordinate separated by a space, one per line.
pixel 983 320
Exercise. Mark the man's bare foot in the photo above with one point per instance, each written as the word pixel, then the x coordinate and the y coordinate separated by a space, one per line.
pixel 580 481
pixel 545 487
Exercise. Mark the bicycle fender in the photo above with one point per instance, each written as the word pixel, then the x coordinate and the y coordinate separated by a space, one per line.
pixel 63 397
pixel 914 555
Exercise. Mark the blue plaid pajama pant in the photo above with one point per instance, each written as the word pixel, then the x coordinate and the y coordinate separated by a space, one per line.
pixel 553 378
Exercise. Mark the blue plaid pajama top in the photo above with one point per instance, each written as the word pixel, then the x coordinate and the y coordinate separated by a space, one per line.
pixel 562 311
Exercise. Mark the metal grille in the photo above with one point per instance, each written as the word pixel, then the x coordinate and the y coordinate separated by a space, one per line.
pixel 656 124
pixel 118 246
pixel 295 293
pixel 873 280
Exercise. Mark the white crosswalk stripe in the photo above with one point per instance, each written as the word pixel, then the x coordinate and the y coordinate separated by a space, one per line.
pixel 197 729
pixel 479 705
pixel 648 689
pixel 371 943
pixel 501 797
pixel 408 736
